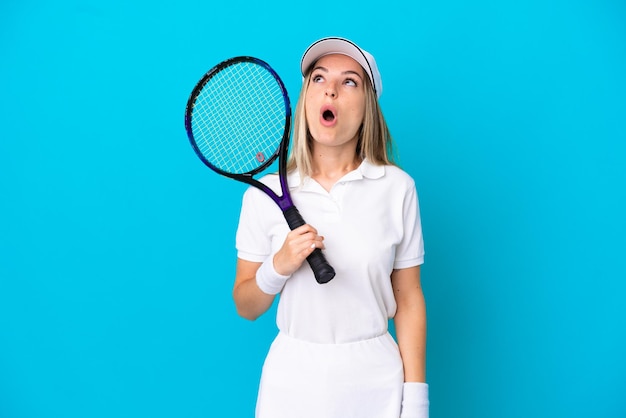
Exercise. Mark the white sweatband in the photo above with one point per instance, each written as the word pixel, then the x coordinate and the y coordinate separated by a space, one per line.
pixel 415 400
pixel 268 280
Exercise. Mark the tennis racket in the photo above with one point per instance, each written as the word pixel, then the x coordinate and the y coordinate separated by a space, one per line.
pixel 237 119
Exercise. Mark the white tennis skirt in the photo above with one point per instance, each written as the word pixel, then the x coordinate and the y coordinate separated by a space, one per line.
pixel 360 379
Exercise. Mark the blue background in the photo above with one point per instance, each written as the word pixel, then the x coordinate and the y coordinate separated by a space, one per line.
pixel 117 254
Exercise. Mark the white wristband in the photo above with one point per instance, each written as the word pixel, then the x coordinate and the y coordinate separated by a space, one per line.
pixel 268 280
pixel 415 400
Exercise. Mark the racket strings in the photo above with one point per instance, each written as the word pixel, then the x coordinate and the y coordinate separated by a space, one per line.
pixel 238 118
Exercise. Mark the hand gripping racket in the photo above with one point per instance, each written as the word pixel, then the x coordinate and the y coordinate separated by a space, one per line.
pixel 237 119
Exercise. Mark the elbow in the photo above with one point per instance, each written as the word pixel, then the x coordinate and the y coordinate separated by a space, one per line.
pixel 245 308
pixel 250 302
pixel 247 313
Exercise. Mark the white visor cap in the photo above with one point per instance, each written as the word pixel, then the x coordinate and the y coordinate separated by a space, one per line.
pixel 335 45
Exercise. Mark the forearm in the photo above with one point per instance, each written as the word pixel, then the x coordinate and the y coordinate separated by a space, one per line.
pixel 410 324
pixel 250 301
pixel 256 284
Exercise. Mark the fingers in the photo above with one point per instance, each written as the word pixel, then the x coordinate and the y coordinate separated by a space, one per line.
pixel 304 229
pixel 304 239
pixel 317 243
pixel 298 245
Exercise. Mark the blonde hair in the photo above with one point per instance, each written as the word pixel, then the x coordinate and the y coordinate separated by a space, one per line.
pixel 374 144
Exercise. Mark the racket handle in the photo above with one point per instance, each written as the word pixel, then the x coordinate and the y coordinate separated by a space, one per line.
pixel 321 269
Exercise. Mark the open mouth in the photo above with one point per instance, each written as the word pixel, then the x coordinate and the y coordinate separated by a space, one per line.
pixel 328 115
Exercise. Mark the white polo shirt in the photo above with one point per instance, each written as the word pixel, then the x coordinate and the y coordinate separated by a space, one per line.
pixel 371 225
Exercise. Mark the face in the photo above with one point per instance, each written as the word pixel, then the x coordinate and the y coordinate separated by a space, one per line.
pixel 335 101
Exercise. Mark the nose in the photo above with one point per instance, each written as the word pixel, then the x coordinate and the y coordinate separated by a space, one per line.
pixel 330 92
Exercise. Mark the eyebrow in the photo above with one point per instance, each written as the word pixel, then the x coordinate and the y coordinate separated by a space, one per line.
pixel 319 67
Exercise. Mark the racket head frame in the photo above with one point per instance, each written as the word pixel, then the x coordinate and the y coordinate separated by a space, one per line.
pixel 284 201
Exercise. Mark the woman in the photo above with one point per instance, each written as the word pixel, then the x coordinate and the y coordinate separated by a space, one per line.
pixel 333 356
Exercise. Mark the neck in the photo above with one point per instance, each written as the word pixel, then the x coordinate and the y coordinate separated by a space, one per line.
pixel 331 165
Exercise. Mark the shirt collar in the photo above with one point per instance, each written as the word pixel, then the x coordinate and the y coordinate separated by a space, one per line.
pixel 365 170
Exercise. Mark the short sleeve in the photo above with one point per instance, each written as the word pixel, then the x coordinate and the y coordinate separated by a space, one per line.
pixel 252 240
pixel 410 251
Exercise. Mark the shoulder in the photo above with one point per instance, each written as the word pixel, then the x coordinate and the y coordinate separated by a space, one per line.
pixel 397 173
pixel 398 177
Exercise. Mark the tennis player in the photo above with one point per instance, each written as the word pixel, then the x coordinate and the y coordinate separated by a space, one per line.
pixel 333 356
